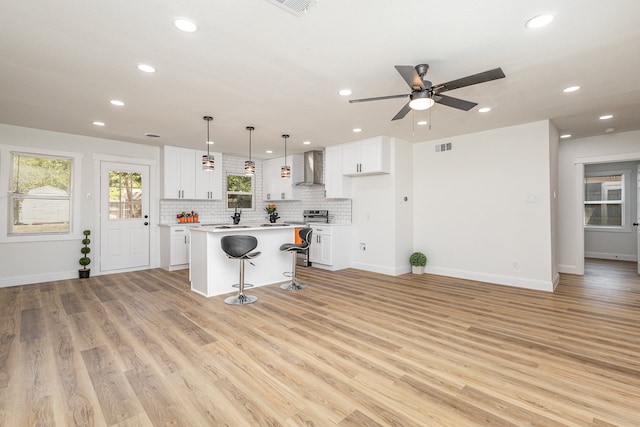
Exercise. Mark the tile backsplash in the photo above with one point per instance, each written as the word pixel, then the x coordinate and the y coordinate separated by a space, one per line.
pixel 215 211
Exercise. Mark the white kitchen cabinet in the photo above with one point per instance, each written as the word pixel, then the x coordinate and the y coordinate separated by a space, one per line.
pixel 183 177
pixel 336 184
pixel 174 246
pixel 208 183
pixel 274 187
pixel 330 246
pixel 179 180
pixel 370 156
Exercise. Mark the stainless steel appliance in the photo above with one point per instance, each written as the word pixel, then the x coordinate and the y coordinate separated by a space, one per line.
pixel 310 217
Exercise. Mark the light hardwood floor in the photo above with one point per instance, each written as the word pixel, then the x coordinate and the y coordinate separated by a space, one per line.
pixel 354 349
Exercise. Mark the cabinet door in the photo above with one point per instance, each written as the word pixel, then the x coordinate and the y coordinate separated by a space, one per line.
pixel 375 154
pixel 320 249
pixel 269 183
pixel 208 184
pixel 187 173
pixel 171 172
pixel 336 185
pixel 178 252
pixel 351 159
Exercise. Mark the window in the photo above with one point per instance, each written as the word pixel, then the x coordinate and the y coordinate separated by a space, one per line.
pixel 239 191
pixel 604 201
pixel 125 195
pixel 39 194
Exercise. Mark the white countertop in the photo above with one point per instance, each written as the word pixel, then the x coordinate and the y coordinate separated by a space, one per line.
pixel 226 228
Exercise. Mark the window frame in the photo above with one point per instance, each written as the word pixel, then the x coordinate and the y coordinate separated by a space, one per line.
pixel 6 158
pixel 252 194
pixel 624 202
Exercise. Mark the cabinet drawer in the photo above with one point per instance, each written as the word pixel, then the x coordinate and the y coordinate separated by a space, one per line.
pixel 319 229
pixel 178 231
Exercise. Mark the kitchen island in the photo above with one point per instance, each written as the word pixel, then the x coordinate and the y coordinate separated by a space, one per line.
pixel 212 273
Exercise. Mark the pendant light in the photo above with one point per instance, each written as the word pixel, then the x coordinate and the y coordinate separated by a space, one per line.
pixel 249 165
pixel 208 162
pixel 285 171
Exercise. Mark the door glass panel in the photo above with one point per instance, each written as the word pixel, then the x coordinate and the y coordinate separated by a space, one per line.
pixel 125 195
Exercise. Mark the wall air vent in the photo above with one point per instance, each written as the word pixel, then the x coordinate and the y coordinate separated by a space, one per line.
pixel 296 7
pixel 443 147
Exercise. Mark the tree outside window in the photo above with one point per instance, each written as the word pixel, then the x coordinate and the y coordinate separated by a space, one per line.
pixel 239 191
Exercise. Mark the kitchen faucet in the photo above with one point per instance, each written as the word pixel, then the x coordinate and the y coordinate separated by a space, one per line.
pixel 236 214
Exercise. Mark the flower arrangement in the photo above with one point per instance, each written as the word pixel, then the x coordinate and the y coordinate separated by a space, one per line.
pixel 187 217
pixel 271 209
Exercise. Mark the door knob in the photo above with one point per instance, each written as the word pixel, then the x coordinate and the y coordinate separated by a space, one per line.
pixel 146 223
pixel 635 224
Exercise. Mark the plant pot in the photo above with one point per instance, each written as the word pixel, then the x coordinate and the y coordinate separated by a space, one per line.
pixel 84 273
pixel 417 269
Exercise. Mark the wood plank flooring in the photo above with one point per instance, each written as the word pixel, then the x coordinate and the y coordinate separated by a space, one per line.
pixel 353 349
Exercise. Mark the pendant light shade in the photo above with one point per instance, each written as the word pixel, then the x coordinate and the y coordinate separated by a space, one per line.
pixel 208 162
pixel 285 171
pixel 250 165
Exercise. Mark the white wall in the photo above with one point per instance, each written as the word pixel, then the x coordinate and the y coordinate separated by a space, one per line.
pixel 32 262
pixel 381 219
pixel 573 155
pixel 483 211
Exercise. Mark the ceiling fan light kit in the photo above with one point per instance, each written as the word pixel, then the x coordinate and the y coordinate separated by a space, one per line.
pixel 424 95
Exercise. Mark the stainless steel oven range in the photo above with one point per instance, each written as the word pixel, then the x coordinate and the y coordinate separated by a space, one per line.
pixel 310 217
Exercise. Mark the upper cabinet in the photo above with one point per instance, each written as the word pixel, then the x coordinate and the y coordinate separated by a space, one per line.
pixel 367 157
pixel 274 187
pixel 183 177
pixel 336 185
pixel 209 183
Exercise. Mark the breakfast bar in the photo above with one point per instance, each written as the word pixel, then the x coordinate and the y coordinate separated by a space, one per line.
pixel 212 273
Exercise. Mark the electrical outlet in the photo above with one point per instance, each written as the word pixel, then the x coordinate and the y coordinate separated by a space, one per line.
pixel 363 247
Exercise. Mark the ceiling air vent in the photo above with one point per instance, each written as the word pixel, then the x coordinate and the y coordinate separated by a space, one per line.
pixel 443 147
pixel 296 7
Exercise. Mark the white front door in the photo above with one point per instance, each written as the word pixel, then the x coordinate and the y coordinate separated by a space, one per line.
pixel 124 216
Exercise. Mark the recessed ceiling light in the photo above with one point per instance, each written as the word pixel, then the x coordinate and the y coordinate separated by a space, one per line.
pixel 565 136
pixel 345 92
pixel 484 110
pixel 117 103
pixel 146 68
pixel 98 123
pixel 186 25
pixel 539 21
pixel 269 151
pixel 307 142
pixel 422 123
pixel 571 89
pixel 356 130
pixel 609 130
pixel 606 117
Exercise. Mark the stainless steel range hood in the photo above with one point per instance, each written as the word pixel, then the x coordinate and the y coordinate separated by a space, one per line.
pixel 313 169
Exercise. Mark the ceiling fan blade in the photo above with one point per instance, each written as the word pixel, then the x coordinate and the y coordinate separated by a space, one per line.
pixel 458 103
pixel 410 75
pixel 378 98
pixel 486 76
pixel 403 112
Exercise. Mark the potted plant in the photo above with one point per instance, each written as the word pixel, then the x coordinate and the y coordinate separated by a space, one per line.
pixel 273 215
pixel 418 260
pixel 84 272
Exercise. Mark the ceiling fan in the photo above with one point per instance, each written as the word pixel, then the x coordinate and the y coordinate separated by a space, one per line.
pixel 423 94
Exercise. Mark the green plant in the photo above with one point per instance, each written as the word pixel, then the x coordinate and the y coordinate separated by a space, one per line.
pixel 418 259
pixel 85 260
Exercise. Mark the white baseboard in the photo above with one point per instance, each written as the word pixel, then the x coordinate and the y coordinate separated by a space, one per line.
pixel 38 278
pixel 609 255
pixel 568 269
pixel 497 279
pixel 389 271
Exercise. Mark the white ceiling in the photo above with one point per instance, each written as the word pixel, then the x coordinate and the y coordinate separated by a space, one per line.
pixel 252 63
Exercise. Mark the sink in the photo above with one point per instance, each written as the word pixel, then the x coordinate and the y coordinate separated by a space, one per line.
pixel 232 226
pixel 274 225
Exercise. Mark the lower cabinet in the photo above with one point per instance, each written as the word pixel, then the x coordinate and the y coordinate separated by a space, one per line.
pixel 174 247
pixel 330 246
